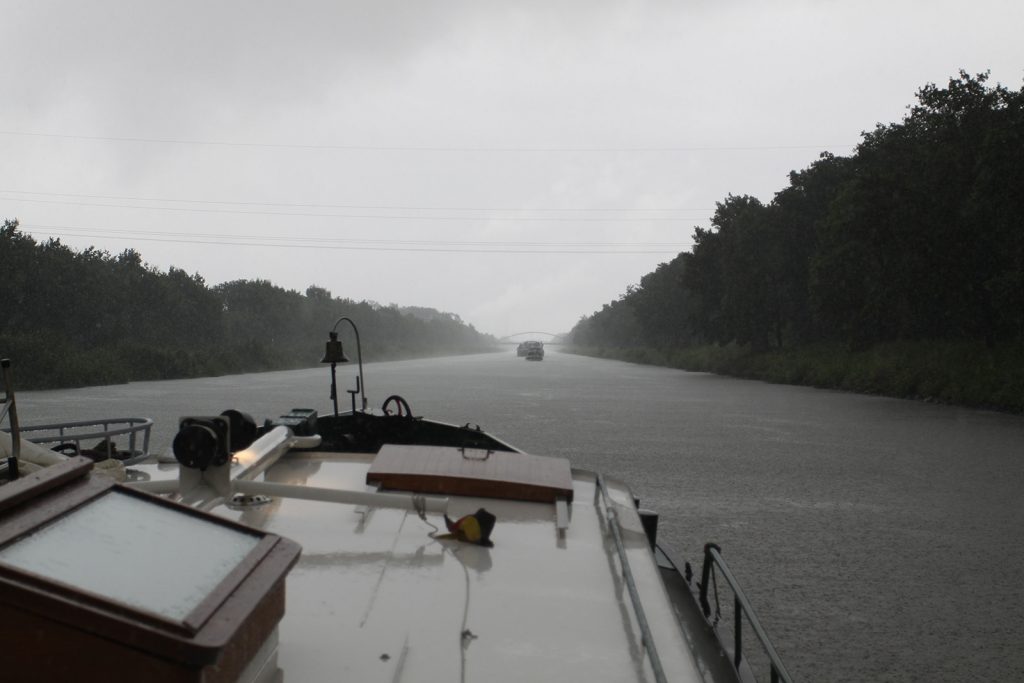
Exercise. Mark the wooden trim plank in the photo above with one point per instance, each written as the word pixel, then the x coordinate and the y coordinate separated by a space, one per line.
pixel 472 472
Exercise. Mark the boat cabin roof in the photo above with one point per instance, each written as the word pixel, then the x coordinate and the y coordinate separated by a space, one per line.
pixel 376 596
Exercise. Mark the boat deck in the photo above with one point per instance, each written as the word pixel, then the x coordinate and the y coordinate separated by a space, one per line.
pixel 375 598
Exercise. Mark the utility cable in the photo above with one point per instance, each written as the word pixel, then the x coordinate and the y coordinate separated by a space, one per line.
pixel 378 207
pixel 381 245
pixel 73 231
pixel 424 148
pixel 477 219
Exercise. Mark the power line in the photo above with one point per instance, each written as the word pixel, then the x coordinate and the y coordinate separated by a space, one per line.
pixel 391 207
pixel 432 246
pixel 424 148
pixel 86 231
pixel 289 214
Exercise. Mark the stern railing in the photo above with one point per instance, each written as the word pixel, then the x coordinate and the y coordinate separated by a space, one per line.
pixel 742 608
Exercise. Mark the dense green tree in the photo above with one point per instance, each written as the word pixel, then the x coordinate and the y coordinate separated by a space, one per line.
pixel 799 214
pixel 18 253
pixel 924 241
pixel 615 325
pixel 736 271
pixel 919 235
pixel 87 317
pixel 662 305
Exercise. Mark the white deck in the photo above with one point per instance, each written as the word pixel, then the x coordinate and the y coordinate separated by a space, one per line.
pixel 375 598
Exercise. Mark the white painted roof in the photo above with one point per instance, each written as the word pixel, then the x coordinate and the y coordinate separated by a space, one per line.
pixel 375 598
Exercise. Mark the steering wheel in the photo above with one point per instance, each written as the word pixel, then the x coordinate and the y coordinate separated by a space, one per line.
pixel 402 408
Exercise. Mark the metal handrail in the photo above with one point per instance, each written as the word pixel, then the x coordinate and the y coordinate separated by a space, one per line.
pixel 742 606
pixel 105 429
pixel 627 573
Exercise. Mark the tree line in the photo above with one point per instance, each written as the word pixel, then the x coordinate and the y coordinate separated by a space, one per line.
pixel 74 318
pixel 917 237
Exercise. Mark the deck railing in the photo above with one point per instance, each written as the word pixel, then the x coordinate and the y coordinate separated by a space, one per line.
pixel 102 431
pixel 742 608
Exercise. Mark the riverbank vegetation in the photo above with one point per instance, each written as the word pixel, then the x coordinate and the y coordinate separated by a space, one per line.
pixel 897 270
pixel 77 318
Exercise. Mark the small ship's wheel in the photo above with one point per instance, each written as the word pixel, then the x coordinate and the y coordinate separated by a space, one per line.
pixel 402 408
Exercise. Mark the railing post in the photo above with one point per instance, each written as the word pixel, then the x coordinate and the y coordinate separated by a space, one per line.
pixel 738 631
pixel 705 575
pixel 712 554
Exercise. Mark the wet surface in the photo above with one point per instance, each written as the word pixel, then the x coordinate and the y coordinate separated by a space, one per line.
pixel 878 539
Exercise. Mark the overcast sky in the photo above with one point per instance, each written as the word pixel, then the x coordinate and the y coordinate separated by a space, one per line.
pixel 517 163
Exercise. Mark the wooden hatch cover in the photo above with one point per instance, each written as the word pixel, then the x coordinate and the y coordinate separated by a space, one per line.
pixel 472 472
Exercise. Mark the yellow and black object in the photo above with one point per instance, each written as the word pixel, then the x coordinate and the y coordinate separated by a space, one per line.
pixel 475 528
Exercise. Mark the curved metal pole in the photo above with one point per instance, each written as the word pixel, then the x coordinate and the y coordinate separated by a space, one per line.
pixel 334 387
pixel 359 353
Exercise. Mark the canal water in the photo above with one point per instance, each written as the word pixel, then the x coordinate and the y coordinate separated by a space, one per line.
pixel 879 539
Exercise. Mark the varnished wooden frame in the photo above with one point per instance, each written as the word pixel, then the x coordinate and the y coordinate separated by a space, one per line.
pixel 254 586
pixel 446 470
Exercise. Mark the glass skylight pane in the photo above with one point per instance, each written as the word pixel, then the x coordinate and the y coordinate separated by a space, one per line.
pixel 148 556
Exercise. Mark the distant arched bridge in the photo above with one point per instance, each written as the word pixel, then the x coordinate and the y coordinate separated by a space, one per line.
pixel 517 337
